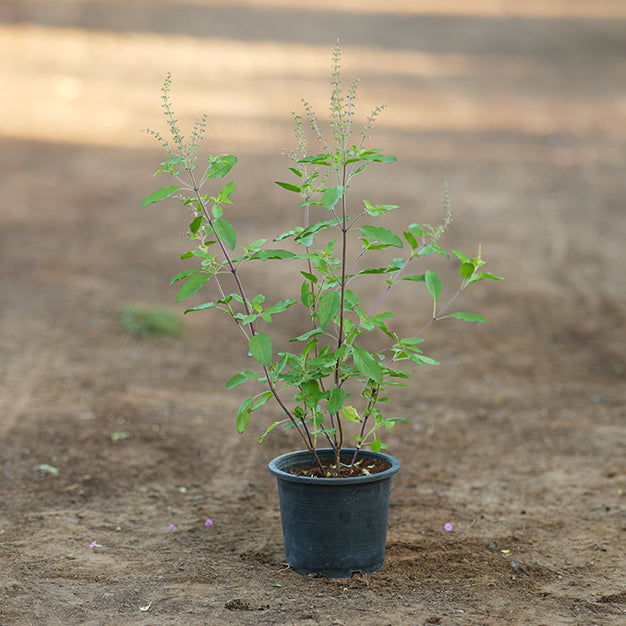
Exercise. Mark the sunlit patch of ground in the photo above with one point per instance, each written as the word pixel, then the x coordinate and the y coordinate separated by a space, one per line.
pixel 102 88
pixel 487 8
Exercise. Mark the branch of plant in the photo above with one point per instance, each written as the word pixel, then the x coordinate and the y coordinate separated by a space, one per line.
pixel 438 316
pixel 313 381
pixel 368 411
pixel 227 257
pixel 344 250
pixel 304 432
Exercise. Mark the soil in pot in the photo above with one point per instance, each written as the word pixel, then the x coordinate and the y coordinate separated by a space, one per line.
pixel 363 467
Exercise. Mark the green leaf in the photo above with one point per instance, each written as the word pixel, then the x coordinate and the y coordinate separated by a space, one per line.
pixel 391 421
pixel 416 230
pixel 237 379
pixel 203 254
pixel 202 307
pixel 350 414
pixel 376 444
pixel 411 341
pixel 468 317
pixel 306 238
pixel 243 414
pixel 372 155
pixel 378 209
pixel 170 166
pixel 306 295
pixel 265 255
pixel 483 275
pixel 365 363
pixel 460 256
pixel 289 233
pixel 269 429
pixel 262 399
pixel 393 266
pixel 375 270
pixel 256 245
pixel 278 368
pixel 220 166
pixel 226 192
pixel 379 319
pixel 182 275
pixel 195 224
pixel 411 239
pixel 257 302
pixel 440 250
pixel 399 374
pixel 261 348
pixel 433 284
pixel 466 269
pixel 328 307
pixel 306 241
pixel 309 348
pixel 378 233
pixel 160 194
pixel 192 286
pixel 426 251
pixel 289 186
pixel 279 307
pixel 420 359
pixel 358 170
pixel 335 400
pixel 311 391
pixel 331 196
pixel 416 277
pixel 432 249
pixel 225 232
pixel 231 296
pixel 311 333
pixel 244 319
pixel 318 159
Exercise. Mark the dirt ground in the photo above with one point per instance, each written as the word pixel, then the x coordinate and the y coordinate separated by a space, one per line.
pixel 518 438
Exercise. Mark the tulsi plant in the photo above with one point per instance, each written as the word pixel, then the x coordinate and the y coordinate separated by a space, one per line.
pixel 330 386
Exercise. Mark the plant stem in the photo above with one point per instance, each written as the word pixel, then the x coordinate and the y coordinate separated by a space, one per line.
pixel 340 337
pixel 437 316
pixel 371 403
pixel 303 431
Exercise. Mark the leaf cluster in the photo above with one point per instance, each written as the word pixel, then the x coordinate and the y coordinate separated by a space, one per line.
pixel 329 386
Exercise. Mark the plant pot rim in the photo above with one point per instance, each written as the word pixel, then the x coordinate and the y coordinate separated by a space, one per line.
pixel 279 466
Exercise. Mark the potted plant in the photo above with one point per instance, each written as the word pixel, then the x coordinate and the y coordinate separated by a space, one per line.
pixel 327 382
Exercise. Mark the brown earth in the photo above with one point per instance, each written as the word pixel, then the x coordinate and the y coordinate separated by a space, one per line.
pixel 518 440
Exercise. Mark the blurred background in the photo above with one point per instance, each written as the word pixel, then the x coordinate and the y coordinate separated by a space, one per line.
pixel 520 107
pixel 518 438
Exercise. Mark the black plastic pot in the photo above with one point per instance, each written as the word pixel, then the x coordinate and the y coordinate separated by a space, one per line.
pixel 333 526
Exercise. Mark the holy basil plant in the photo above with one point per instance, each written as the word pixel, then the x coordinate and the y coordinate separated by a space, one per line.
pixel 331 384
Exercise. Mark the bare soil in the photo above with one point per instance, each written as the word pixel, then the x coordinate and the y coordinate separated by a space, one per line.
pixel 517 440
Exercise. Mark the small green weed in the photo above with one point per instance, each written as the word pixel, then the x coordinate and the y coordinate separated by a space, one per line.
pixel 149 322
